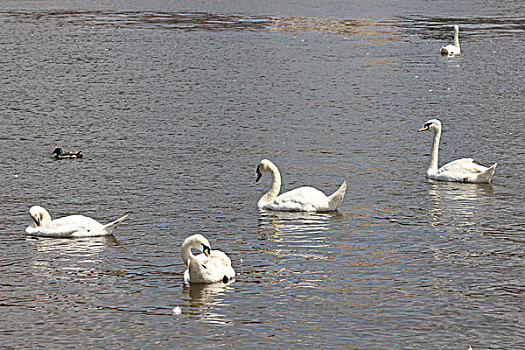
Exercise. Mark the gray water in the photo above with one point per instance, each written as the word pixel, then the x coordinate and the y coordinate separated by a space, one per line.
pixel 175 103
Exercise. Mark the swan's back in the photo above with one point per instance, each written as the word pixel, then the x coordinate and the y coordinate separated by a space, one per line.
pixel 300 199
pixel 209 269
pixel 464 170
pixel 462 165
pixel 76 220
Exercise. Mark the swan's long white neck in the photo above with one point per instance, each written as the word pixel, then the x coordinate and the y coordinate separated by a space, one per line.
pixel 186 253
pixel 274 190
pixel 433 167
pixel 456 37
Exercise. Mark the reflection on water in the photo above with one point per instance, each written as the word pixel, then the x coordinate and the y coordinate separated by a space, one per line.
pixel 305 231
pixel 81 246
pixel 76 256
pixel 277 223
pixel 441 28
pixel 456 199
pixel 373 29
pixel 204 302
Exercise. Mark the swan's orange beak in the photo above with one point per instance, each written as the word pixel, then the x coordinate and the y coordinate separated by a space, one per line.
pixel 423 128
pixel 206 251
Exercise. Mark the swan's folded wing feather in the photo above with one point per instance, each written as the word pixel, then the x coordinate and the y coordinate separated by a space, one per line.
pixel 54 231
pixel 299 199
pixel 77 220
pixel 209 269
pixel 464 165
pixel 220 257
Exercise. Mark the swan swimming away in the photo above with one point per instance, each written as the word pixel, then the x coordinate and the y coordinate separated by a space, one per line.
pixel 68 227
pixel 452 50
pixel 462 170
pixel 300 199
pixel 209 267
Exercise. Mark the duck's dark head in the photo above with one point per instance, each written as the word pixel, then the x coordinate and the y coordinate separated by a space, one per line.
pixel 58 151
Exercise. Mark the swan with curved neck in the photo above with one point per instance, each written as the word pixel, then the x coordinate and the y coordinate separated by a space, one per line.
pixel 68 227
pixel 461 170
pixel 300 199
pixel 452 50
pixel 209 267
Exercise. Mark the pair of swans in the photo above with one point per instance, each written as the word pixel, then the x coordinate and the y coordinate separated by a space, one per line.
pixel 452 50
pixel 461 170
pixel 212 266
pixel 209 267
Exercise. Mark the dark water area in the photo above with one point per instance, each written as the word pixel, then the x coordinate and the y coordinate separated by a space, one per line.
pixel 175 103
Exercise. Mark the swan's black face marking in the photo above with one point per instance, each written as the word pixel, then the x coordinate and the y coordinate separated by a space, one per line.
pixel 225 279
pixel 37 221
pixel 425 127
pixel 206 250
pixel 259 174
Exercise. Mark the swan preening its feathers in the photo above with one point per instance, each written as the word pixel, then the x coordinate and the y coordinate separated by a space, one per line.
pixel 300 199
pixel 462 170
pixel 68 227
pixel 452 50
pixel 210 266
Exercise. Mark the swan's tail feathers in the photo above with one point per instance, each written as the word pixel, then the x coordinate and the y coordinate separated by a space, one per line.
pixel 335 200
pixel 486 176
pixel 113 225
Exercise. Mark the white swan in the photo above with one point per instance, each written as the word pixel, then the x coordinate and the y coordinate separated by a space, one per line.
pixel 463 170
pixel 301 199
pixel 210 267
pixel 69 226
pixel 452 50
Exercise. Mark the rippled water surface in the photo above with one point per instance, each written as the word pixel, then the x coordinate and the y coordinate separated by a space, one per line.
pixel 175 103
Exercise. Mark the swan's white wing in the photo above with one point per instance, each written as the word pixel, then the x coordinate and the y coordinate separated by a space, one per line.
pixel 209 269
pixel 77 220
pixel 300 199
pixel 464 165
pixel 63 231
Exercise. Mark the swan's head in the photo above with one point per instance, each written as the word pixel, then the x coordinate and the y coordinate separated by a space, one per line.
pixel 39 215
pixel 264 166
pixel 57 151
pixel 456 28
pixel 198 242
pixel 432 124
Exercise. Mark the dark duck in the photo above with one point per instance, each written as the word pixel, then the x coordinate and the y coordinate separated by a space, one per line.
pixel 59 154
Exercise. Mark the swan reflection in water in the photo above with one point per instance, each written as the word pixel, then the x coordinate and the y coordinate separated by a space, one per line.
pixel 301 224
pixel 53 256
pixel 299 233
pixel 453 199
pixel 204 302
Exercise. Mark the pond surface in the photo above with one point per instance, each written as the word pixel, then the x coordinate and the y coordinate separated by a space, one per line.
pixel 174 105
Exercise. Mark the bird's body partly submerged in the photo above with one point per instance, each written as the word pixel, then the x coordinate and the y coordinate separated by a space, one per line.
pixel 72 226
pixel 60 154
pixel 211 266
pixel 461 170
pixel 452 50
pixel 300 199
